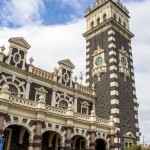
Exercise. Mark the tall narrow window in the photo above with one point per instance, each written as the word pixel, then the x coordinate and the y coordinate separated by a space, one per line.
pixel 120 20
pixel 124 24
pixel 104 17
pixel 92 25
pixel 115 16
pixel 98 21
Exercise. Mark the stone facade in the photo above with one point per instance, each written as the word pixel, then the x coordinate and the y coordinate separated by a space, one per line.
pixel 113 78
pixel 47 111
pixel 42 110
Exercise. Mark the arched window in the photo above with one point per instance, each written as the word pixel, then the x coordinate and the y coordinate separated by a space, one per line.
pixel 115 16
pixel 104 17
pixel 92 25
pixel 120 20
pixel 124 24
pixel 63 104
pixel 98 21
pixel 13 89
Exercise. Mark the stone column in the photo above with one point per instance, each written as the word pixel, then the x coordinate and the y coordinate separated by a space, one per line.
pixel 92 140
pixel 1 124
pixel 30 147
pixel 38 136
pixel 112 136
pixel 29 81
pixel 53 96
pixel 68 138
pixel 112 130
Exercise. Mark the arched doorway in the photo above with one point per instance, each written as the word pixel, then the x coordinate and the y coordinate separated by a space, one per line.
pixel 16 138
pixel 100 144
pixel 51 140
pixel 78 143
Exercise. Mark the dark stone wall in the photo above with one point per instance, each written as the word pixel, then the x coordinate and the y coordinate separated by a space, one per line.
pixel 103 86
pixel 125 88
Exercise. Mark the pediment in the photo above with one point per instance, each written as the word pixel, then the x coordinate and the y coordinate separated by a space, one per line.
pixel 129 135
pixel 19 41
pixel 67 63
pixel 98 51
pixel 41 89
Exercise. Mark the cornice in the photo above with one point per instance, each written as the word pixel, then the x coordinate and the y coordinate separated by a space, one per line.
pixel 108 24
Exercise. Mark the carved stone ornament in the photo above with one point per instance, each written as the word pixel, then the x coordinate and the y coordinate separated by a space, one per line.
pixel 123 52
pixel 99 63
pixel 99 71
pixel 124 71
pixel 98 51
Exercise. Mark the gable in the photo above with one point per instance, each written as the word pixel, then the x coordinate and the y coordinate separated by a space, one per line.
pixel 67 63
pixel 19 41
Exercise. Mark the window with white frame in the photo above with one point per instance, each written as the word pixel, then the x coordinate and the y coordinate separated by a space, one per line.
pixel 85 107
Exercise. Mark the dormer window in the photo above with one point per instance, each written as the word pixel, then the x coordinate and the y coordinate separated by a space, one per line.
pixel 98 21
pixel 92 25
pixel 104 17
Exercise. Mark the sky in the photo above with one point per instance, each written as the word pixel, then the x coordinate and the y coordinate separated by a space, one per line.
pixel 54 30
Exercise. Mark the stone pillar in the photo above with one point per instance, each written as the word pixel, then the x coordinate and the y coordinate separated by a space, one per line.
pixel 112 130
pixel 38 136
pixel 112 136
pixel 1 124
pixel 53 96
pixel 92 140
pixel 30 147
pixel 56 142
pixel 29 81
pixel 68 138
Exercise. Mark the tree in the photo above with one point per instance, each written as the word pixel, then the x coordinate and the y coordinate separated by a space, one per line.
pixel 134 147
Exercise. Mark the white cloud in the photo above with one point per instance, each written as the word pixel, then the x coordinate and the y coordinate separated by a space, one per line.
pixel 139 12
pixel 21 12
pixel 53 43
pixel 73 3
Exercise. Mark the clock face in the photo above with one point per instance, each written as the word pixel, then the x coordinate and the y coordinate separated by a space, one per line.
pixel 98 61
pixel 123 61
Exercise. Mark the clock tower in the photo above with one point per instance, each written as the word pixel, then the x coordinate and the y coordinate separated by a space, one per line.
pixel 109 68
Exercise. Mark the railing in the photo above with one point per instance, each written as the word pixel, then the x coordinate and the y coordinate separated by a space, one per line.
pixel 102 121
pixel 56 110
pixel 84 89
pixel 23 102
pixel 42 73
pixel 82 116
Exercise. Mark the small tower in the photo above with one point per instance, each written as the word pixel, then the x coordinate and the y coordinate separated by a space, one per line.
pixel 109 66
